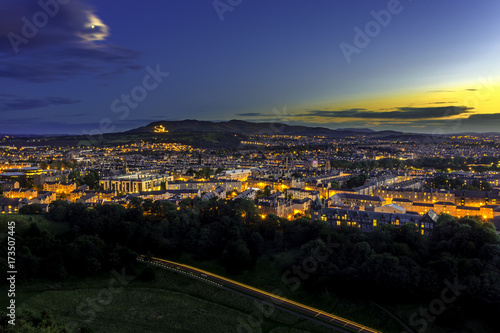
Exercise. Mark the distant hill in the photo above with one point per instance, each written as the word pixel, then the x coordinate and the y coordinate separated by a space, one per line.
pixel 225 134
pixel 249 128
pixel 366 130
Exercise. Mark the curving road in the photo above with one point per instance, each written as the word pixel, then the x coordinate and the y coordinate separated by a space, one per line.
pixel 298 308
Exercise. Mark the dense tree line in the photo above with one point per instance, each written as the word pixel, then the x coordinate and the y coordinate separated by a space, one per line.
pixel 356 181
pixel 387 263
pixel 31 209
pixel 57 164
pixel 399 265
pixel 401 262
pixel 31 322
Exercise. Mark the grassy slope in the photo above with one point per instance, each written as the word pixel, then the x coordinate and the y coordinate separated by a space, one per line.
pixel 172 303
pixel 23 222
pixel 266 275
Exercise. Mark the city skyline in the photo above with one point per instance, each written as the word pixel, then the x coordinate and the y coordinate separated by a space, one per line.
pixel 66 67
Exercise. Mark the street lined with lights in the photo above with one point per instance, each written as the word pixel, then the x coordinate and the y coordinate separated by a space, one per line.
pixel 221 281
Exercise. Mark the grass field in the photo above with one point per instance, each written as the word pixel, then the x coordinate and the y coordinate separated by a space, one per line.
pixel 171 303
pixel 23 222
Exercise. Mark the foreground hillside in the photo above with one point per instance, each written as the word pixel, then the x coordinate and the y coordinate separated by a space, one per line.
pixel 169 303
pixel 386 279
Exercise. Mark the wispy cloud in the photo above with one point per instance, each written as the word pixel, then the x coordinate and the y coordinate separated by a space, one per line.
pixel 490 119
pixel 41 125
pixel 467 122
pixel 401 113
pixel 251 114
pixel 442 102
pixel 15 103
pixel 73 42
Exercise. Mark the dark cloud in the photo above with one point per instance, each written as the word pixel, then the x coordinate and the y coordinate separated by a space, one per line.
pixel 37 126
pixel 73 115
pixel 40 125
pixel 484 119
pixel 442 102
pixel 71 43
pixel 403 113
pixel 14 103
pixel 471 89
pixel 472 123
pixel 251 114
pixel 466 123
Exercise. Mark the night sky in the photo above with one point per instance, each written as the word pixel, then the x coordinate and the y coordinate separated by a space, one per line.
pixel 88 65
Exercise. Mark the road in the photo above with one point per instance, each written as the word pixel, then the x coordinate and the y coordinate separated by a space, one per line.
pixel 298 308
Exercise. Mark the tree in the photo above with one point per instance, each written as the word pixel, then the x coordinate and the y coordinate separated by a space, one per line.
pixel 32 209
pixel 256 245
pixel 148 274
pixel 84 255
pixel 147 205
pixel 236 257
pixel 53 266
pixel 356 181
pixel 58 211
pixel 74 176
pixel 204 173
pixel 264 193
pixel 33 231
pixel 485 186
pixel 29 322
pixel 92 180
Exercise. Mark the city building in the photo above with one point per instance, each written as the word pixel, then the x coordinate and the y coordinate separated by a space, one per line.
pixel 368 221
pixel 247 194
pixel 59 187
pixel 10 206
pixel 218 193
pixel 237 174
pixel 277 205
pixel 20 193
pixel 45 198
pixel 135 182
pixel 349 199
pixel 391 208
pixel 206 185
pixel 9 185
pixel 300 193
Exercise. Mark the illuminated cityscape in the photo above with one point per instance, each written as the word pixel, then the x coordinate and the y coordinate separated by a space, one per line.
pixel 236 166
